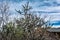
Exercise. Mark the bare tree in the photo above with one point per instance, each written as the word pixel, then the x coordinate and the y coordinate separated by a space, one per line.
pixel 4 11
pixel 30 21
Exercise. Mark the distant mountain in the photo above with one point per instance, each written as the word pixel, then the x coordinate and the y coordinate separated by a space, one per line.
pixel 57 23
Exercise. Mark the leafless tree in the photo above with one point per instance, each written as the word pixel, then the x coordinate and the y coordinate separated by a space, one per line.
pixel 4 16
pixel 4 11
pixel 30 21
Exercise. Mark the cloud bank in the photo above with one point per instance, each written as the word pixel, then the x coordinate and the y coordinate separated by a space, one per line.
pixel 51 7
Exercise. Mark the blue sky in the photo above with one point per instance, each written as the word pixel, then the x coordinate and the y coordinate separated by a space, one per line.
pixel 45 7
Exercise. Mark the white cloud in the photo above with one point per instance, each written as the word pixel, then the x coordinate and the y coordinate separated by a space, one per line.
pixel 16 5
pixel 35 5
pixel 58 1
pixel 55 16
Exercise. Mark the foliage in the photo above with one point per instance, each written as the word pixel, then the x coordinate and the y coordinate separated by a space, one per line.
pixel 29 27
pixel 29 22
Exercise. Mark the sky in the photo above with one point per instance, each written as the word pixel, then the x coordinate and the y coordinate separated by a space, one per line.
pixel 45 7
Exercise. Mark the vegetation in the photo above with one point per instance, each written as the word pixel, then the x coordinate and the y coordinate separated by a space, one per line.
pixel 29 27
